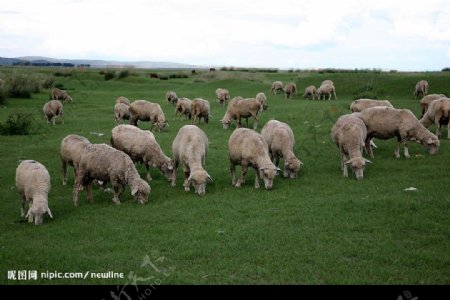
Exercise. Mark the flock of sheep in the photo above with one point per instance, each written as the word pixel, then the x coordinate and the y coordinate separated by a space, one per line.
pixel 115 163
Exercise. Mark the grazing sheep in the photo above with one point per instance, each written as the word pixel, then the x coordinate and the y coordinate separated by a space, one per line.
pixel 52 109
pixel 387 122
pixel 183 107
pixel 421 89
pixel 143 110
pixel 142 147
pixel 310 91
pixel 238 108
pixel 71 148
pixel 280 139
pixel 222 96
pixel 247 148
pixel 437 113
pixel 104 163
pixel 33 184
pixel 349 134
pixel 58 94
pixel 171 97
pixel 277 86
pixel 361 104
pixel 121 112
pixel 200 109
pixel 328 81
pixel 189 149
pixel 123 100
pixel 261 97
pixel 326 89
pixel 290 90
pixel 425 102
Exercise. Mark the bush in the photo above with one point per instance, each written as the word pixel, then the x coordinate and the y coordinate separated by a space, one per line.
pixel 19 86
pixel 109 74
pixel 3 95
pixel 60 86
pixel 123 74
pixel 163 77
pixel 48 82
pixel 179 75
pixel 16 124
pixel 64 73
pixel 446 70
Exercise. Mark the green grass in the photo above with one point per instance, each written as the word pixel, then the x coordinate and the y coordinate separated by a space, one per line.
pixel 318 229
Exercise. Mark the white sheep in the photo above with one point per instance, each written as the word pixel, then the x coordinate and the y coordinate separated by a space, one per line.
pixel 327 82
pixel 52 109
pixel 310 91
pixel 104 163
pixel 183 107
pixel 222 96
pixel 189 149
pixel 280 140
pixel 70 151
pixel 171 97
pixel 33 184
pixel 238 108
pixel 121 112
pixel 58 94
pixel 290 90
pixel 123 100
pixel 387 122
pixel 142 146
pixel 142 110
pixel 421 89
pixel 277 86
pixel 247 148
pixel 361 104
pixel 425 102
pixel 326 89
pixel 261 97
pixel 438 113
pixel 349 134
pixel 200 108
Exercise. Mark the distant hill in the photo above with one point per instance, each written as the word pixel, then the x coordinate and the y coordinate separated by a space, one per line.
pixel 98 63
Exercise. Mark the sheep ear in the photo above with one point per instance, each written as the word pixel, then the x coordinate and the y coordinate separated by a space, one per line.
pixel 349 161
pixel 190 177
pixel 367 161
pixel 49 212
pixel 134 190
pixel 28 213
pixel 278 169
pixel 301 163
pixel 209 177
pixel 430 141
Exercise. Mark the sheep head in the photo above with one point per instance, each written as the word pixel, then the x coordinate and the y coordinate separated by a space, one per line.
pixel 268 173
pixel 292 167
pixel 198 179
pixel 140 190
pixel 358 164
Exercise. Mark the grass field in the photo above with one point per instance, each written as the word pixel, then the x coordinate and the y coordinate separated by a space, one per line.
pixel 320 228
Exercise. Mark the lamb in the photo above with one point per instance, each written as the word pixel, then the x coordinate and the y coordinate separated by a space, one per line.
pixel 33 184
pixel 143 110
pixel 326 89
pixel 171 97
pixel 310 91
pixel 425 102
pixel 121 112
pixel 349 134
pixel 261 97
pixel 142 146
pixel 123 100
pixel 388 122
pixel 421 89
pixel 238 108
pixel 277 86
pixel 71 148
pixel 222 95
pixel 200 109
pixel 58 94
pixel 290 90
pixel 248 148
pixel 184 107
pixel 437 113
pixel 280 139
pixel 361 104
pixel 190 148
pixel 52 109
pixel 104 163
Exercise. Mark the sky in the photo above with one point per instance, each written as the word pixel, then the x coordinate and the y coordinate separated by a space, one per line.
pixel 301 34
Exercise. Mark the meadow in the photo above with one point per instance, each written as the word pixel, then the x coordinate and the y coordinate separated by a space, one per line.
pixel 320 228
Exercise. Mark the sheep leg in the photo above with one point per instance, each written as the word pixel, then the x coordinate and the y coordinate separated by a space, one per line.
pixel 23 201
pixel 118 189
pixel 241 179
pixel 448 130
pixel 369 148
pixel 89 196
pixel 186 181
pixel 233 173
pixel 343 165
pixel 77 186
pixel 438 126
pixel 256 178
pixel 255 121
pixel 30 216
pixel 64 171
pixel 149 177
pixel 405 146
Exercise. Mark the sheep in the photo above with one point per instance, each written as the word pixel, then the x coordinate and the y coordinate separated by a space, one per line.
pixel 123 100
pixel 104 163
pixel 171 97
pixel 189 149
pixel 437 113
pixel 327 82
pixel 184 107
pixel 58 94
pixel 310 91
pixel 261 97
pixel 280 140
pixel 361 104
pixel 277 86
pixel 387 122
pixel 326 89
pixel 200 109
pixel 222 96
pixel 238 108
pixel 425 102
pixel 33 184
pixel 143 110
pixel 349 134
pixel 421 89
pixel 247 148
pixel 142 147
pixel 70 151
pixel 121 112
pixel 290 90
pixel 52 109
